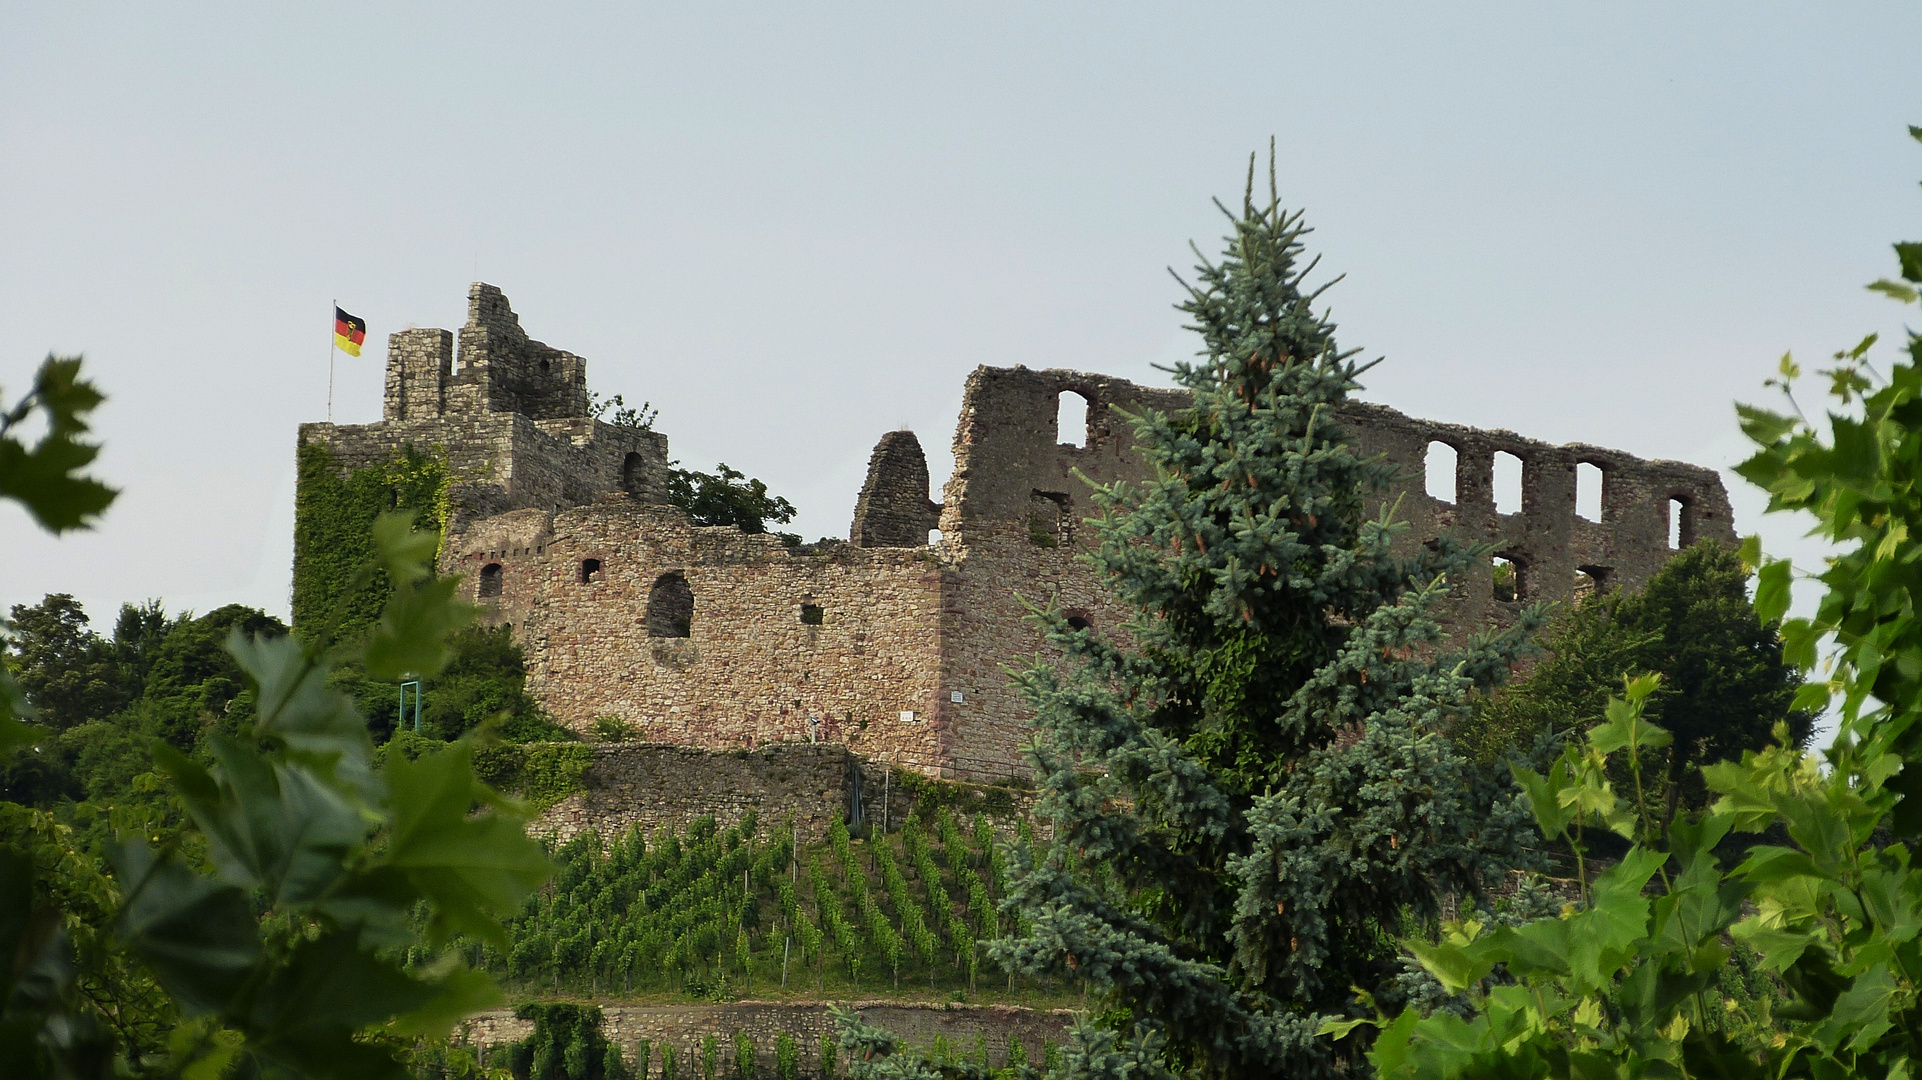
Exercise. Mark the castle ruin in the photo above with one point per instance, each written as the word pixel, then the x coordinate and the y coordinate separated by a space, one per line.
pixel 894 641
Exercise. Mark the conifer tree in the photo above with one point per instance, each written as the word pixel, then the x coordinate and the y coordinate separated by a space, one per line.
pixel 1251 795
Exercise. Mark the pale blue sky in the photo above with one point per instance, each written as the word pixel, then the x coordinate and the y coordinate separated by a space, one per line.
pixel 793 228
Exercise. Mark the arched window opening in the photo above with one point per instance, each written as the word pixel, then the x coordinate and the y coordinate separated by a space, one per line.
pixel 1079 620
pixel 633 472
pixel 1508 483
pixel 1510 583
pixel 1589 479
pixel 1440 464
pixel 590 570
pixel 490 581
pixel 1590 580
pixel 1071 419
pixel 812 615
pixel 1681 522
pixel 934 537
pixel 670 607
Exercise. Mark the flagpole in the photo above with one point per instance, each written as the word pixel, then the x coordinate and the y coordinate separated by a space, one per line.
pixel 331 350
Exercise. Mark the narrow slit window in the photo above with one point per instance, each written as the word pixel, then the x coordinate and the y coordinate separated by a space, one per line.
pixel 1508 483
pixel 490 581
pixel 590 570
pixel 1678 524
pixel 1588 490
pixel 1440 465
pixel 1071 419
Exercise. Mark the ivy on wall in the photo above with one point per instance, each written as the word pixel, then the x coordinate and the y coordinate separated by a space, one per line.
pixel 540 773
pixel 334 512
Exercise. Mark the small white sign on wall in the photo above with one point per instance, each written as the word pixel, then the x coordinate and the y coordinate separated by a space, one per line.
pixel 956 697
pixel 907 716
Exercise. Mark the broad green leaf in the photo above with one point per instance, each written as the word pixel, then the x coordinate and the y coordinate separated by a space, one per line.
pixel 410 640
pixel 1534 949
pixel 1763 426
pixel 1340 1028
pixel 1456 966
pixel 1860 1016
pixel 1772 591
pixel 1391 1053
pixel 1601 938
pixel 44 478
pixel 197 935
pixel 458 994
pixel 472 868
pixel 1910 256
pixel 300 711
pixel 1544 797
pixel 1894 289
pixel 1695 835
pixel 1768 863
pixel 1892 907
pixel 306 1016
pixel 269 826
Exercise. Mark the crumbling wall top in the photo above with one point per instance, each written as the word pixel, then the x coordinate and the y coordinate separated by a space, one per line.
pixel 894 509
pixel 501 369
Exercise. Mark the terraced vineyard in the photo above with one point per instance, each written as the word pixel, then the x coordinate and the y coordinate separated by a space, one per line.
pixel 746 911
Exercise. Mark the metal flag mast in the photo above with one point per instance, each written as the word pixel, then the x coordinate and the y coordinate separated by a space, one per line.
pixel 332 349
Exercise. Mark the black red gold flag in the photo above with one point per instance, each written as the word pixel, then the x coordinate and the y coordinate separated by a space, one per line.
pixel 349 332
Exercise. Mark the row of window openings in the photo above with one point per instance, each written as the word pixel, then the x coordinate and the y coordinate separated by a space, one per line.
pixel 1510 580
pixel 1440 468
pixel 670 603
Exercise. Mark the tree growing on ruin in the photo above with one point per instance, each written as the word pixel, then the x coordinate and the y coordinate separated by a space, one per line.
pixel 1251 798
pixel 1725 684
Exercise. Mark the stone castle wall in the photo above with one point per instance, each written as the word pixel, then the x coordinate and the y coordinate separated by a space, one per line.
pixel 891 644
pixel 832 642
pixel 513 420
pixel 683 1026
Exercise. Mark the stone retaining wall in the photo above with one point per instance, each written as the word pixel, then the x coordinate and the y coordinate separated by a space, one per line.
pixel 656 786
pixel 683 1026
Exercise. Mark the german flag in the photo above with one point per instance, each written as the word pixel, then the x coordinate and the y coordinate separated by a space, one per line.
pixel 349 332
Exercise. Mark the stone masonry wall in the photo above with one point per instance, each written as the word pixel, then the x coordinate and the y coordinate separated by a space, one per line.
pixel 513 420
pixel 668 787
pixel 682 1026
pixel 752 668
pixel 1013 519
pixel 893 646
pixel 654 786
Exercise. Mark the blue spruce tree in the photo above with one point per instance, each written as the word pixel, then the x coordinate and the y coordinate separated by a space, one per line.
pixel 1252 792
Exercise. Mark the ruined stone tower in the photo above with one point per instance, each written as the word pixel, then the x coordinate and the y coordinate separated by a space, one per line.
pixel 895 641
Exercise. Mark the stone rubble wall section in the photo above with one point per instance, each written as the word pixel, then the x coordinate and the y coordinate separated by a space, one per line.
pixel 893 509
pixel 653 787
pixel 683 1026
